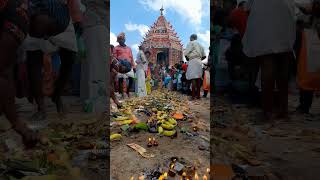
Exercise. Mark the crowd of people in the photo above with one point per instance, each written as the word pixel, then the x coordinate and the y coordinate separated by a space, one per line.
pixel 271 41
pixel 144 76
pixel 32 32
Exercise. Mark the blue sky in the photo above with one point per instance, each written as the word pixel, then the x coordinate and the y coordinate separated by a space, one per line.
pixel 134 17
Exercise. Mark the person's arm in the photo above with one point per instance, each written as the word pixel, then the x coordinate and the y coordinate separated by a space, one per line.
pixel 132 61
pixel 76 15
pixel 75 10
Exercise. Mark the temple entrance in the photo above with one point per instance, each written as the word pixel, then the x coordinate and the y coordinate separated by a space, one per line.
pixel 162 58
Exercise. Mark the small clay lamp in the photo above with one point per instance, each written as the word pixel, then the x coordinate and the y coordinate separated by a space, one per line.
pixel 149 143
pixel 171 170
pixel 184 175
pixel 155 143
pixel 196 177
pixel 195 129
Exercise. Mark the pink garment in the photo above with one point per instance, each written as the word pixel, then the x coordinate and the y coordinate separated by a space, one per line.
pixel 74 10
pixel 124 53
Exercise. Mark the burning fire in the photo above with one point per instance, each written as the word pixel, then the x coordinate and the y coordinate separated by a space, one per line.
pixel 196 177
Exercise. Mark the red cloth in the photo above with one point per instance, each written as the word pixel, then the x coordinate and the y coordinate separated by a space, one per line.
pixel 124 53
pixel 74 10
pixel 238 20
pixel 184 67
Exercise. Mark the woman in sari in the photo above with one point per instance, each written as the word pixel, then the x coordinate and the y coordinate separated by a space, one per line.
pixel 148 72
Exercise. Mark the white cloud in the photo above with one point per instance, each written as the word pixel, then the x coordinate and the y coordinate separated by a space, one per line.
pixel 191 10
pixel 113 39
pixel 135 47
pixel 205 37
pixel 143 29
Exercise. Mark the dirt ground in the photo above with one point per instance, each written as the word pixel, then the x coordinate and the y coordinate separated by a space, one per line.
pixel 78 126
pixel 288 150
pixel 125 162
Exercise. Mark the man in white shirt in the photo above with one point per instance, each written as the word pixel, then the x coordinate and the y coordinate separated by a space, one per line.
pixel 194 53
pixel 269 38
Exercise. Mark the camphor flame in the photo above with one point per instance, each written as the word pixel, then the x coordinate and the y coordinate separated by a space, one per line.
pixel 165 175
pixel 196 177
pixel 205 177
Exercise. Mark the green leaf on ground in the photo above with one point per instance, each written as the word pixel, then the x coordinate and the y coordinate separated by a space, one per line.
pixel 125 127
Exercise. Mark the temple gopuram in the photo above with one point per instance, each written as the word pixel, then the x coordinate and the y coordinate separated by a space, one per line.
pixel 163 43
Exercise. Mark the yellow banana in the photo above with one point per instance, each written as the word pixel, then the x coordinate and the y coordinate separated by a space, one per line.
pixel 120 118
pixel 169 133
pixel 172 121
pixel 115 136
pixel 160 130
pixel 167 126
pixel 127 112
pixel 125 122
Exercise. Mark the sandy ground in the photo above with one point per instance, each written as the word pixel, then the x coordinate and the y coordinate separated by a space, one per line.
pixel 288 150
pixel 126 163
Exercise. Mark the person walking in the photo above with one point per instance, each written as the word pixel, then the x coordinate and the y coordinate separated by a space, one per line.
pixel 269 38
pixel 194 53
